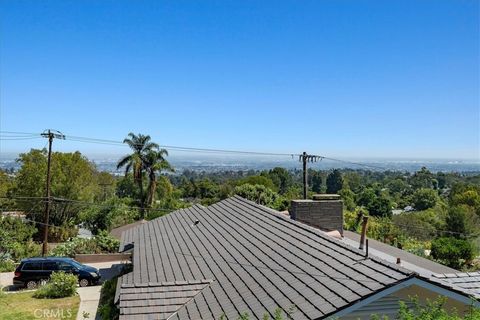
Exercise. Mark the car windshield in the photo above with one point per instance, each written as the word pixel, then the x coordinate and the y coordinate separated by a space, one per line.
pixel 76 264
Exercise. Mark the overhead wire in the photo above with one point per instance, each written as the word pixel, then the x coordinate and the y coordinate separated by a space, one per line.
pixel 210 150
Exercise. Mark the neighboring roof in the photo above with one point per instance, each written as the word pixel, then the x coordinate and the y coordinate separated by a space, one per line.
pixel 117 232
pixel 469 283
pixel 258 260
pixel 410 261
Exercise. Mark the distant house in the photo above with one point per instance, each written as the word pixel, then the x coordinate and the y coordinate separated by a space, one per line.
pixel 236 256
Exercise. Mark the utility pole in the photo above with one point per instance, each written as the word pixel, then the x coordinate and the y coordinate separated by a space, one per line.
pixel 304 158
pixel 305 181
pixel 50 135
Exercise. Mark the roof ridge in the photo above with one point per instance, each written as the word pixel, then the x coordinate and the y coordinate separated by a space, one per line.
pixel 167 283
pixel 322 234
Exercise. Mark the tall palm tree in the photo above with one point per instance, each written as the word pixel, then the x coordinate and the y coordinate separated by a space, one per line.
pixel 141 145
pixel 155 162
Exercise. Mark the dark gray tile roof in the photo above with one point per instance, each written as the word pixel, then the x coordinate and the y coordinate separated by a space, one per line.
pixel 156 300
pixel 117 232
pixel 258 260
pixel 468 282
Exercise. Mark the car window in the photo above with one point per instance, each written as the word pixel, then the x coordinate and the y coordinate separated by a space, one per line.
pixel 65 266
pixel 37 265
pixel 50 266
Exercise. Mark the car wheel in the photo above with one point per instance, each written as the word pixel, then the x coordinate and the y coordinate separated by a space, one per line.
pixel 83 282
pixel 31 285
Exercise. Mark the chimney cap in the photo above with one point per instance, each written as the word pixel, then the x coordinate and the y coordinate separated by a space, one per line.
pixel 326 197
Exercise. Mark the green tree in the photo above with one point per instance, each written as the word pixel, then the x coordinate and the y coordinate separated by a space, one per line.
pixel 453 252
pixel 281 178
pixel 469 197
pixel 315 180
pixel 348 198
pixel 108 215
pixel 261 195
pixel 424 199
pixel 73 177
pixel 141 145
pixel 377 203
pixel 334 181
pixel 258 180
pixel 155 162
pixel 422 179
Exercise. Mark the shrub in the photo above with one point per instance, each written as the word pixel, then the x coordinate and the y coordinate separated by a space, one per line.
pixel 7 265
pixel 106 307
pixel 453 252
pixel 106 242
pixel 101 243
pixel 60 285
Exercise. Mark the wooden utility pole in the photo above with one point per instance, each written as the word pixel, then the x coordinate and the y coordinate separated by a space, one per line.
pixel 50 135
pixel 305 181
pixel 304 158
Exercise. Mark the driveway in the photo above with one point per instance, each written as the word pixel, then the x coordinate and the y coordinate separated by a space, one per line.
pixel 90 296
pixel 6 280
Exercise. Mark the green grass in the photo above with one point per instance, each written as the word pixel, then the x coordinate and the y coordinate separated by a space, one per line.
pixel 23 306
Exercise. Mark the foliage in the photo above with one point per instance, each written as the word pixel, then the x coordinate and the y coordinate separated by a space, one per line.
pixel 261 195
pixel 452 252
pixel 146 157
pixel 423 179
pixel 281 178
pixel 348 198
pixel 421 225
pixel 7 265
pixel 376 202
pixel 15 238
pixel 73 177
pixel 415 246
pixel 424 199
pixel 110 214
pixel 106 242
pixel 352 219
pixel 381 228
pixel 106 306
pixel 334 181
pixel 60 285
pixel 259 180
pixel 101 243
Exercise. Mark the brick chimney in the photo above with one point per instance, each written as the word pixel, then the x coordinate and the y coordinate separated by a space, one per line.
pixel 325 212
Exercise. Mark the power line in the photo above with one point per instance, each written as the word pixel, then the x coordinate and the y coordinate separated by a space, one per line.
pixel 211 150
pixel 85 203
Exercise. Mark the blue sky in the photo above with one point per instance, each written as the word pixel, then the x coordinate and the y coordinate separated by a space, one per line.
pixel 339 78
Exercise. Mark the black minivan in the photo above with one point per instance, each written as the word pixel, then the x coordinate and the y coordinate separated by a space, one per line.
pixel 33 271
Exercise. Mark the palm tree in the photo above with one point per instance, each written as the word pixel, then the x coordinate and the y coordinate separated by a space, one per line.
pixel 141 145
pixel 155 162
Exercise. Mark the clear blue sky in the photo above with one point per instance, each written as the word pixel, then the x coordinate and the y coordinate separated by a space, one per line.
pixel 340 78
